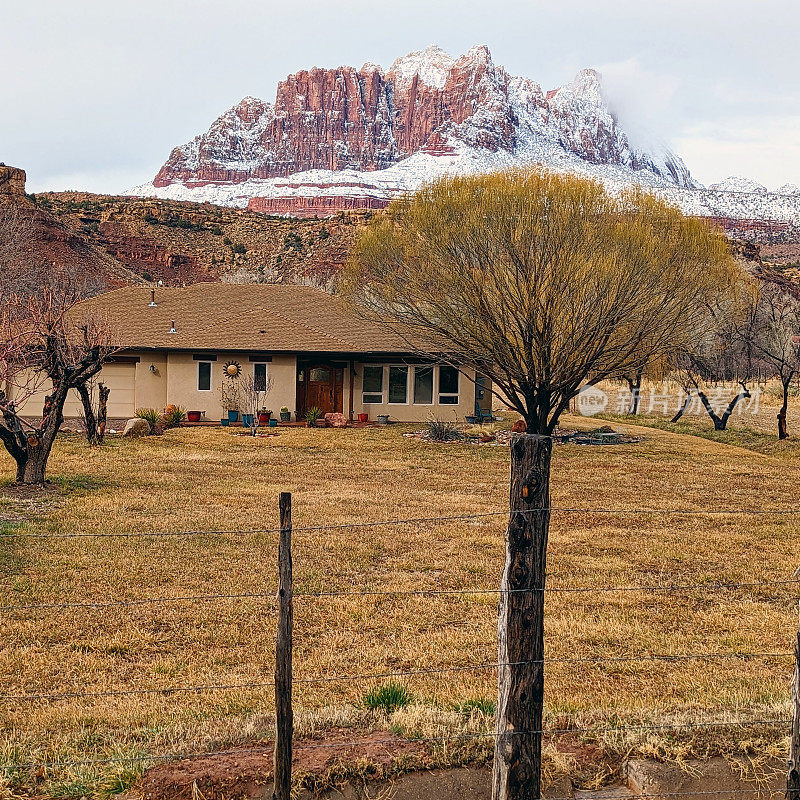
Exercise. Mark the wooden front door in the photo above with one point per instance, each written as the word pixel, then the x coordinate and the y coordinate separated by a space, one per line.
pixel 321 387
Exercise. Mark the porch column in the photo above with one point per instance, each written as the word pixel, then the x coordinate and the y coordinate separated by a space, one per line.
pixel 350 390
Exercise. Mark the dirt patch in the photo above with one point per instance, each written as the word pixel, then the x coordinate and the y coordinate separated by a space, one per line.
pixel 24 503
pixel 246 772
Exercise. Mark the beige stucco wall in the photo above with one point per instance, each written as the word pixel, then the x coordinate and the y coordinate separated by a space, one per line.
pixel 182 373
pixel 173 379
pixel 410 411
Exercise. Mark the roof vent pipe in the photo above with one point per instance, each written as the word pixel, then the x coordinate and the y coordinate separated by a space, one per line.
pixel 153 303
pixel 173 329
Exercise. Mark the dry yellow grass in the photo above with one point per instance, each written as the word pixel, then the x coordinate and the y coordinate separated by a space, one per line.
pixel 200 479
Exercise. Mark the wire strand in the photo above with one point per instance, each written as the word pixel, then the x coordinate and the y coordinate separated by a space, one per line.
pixel 454 738
pixel 407 521
pixel 398 593
pixel 168 690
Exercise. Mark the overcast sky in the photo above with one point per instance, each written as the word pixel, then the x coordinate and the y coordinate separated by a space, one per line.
pixel 95 93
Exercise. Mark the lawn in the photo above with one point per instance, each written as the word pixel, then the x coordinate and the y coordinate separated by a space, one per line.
pixel 209 479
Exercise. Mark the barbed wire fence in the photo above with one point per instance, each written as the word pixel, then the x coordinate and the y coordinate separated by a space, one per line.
pixel 284 681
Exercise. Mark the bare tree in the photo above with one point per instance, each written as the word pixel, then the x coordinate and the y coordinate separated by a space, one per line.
pixel 715 354
pixel 253 394
pixel 771 331
pixel 43 340
pixel 543 282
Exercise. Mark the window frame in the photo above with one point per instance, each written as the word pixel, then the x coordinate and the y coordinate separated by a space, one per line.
pixel 210 375
pixel 390 367
pixel 440 394
pixel 418 367
pixel 265 364
pixel 381 394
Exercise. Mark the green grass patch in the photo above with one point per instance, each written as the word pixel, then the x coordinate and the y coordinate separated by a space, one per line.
pixel 388 697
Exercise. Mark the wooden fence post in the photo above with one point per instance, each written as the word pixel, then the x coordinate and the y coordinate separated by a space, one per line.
pixel 283 657
pixel 793 777
pixel 517 768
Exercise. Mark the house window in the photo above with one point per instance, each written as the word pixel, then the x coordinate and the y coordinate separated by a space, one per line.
pixel 260 377
pixel 448 386
pixel 203 376
pixel 423 385
pixel 398 384
pixel 372 387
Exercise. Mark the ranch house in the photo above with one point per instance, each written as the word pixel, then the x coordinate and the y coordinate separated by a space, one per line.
pixel 177 344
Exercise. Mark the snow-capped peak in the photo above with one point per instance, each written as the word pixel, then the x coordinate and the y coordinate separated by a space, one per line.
pixel 370 67
pixel 738 184
pixel 431 64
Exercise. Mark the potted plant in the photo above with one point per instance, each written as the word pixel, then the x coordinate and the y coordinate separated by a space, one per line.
pixel 286 415
pixel 264 416
pixel 247 420
pixel 363 417
pixel 273 423
pixel 194 416
pixel 383 419
pixel 229 399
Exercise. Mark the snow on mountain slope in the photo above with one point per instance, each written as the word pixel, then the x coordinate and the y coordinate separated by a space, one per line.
pixel 345 138
pixel 738 184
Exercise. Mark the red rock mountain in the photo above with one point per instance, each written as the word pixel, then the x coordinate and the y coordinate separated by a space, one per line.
pixel 367 120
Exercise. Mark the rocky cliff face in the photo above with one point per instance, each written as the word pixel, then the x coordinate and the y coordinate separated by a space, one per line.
pixel 12 183
pixel 426 104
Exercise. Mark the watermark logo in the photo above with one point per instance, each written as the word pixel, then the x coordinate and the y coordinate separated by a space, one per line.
pixel 591 401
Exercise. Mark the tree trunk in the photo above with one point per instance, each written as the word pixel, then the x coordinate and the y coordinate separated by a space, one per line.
pixel 783 432
pixel 684 408
pixel 721 422
pixel 635 386
pixel 95 424
pixel 520 630
pixel 102 411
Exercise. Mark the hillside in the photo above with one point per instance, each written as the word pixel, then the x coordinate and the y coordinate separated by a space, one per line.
pixel 179 242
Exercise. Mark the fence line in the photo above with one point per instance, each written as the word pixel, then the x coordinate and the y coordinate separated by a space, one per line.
pixel 412 521
pixel 462 668
pixel 167 690
pixel 400 593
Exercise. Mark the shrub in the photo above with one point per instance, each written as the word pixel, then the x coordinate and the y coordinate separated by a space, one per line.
pixel 482 704
pixel 174 417
pixel 292 241
pixel 152 416
pixel 389 697
pixel 312 415
pixel 226 240
pixel 239 248
pixel 216 230
pixel 440 430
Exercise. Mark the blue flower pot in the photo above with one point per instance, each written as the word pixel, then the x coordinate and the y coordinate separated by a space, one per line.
pixel 233 416
pixel 224 422
pixel 273 423
pixel 247 420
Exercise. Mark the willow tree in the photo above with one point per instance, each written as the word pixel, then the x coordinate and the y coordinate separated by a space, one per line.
pixel 543 282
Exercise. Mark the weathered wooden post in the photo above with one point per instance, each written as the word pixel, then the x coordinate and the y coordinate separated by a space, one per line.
pixel 793 777
pixel 283 657
pixel 520 627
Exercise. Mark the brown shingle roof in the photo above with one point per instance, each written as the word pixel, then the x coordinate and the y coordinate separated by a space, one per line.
pixel 223 316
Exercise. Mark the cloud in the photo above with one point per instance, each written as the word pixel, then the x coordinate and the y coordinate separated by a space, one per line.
pixel 758 145
pixel 641 99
